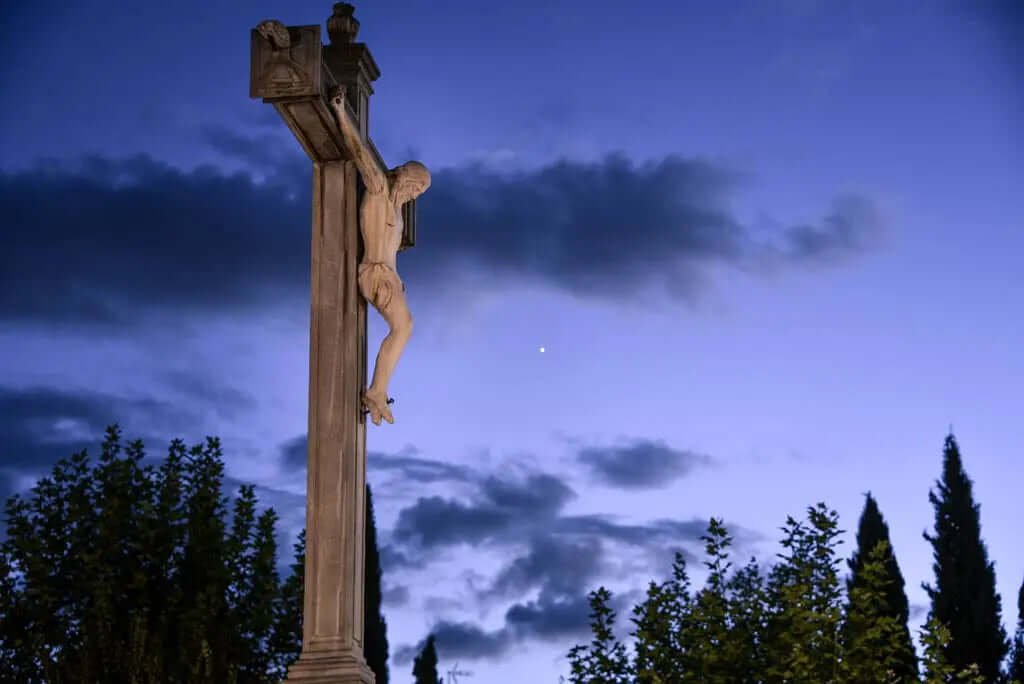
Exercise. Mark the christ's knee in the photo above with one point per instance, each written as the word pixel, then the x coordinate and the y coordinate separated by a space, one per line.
pixel 399 326
pixel 403 326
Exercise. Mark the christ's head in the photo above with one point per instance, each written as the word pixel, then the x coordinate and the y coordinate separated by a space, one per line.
pixel 410 180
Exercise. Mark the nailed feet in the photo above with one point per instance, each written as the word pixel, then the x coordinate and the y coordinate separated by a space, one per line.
pixel 377 404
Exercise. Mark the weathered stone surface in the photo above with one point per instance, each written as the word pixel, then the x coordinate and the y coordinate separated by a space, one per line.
pixel 351 238
pixel 284 61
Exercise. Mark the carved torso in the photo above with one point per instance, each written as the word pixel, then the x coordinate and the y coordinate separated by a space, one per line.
pixel 381 226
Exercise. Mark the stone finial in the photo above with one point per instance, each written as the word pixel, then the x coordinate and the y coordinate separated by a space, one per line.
pixel 342 27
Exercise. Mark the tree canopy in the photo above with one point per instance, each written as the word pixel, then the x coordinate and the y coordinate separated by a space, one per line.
pixel 131 572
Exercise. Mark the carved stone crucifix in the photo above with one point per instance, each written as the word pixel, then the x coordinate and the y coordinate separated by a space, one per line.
pixel 380 220
pixel 353 259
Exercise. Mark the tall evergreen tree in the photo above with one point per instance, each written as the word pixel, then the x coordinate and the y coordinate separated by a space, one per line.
pixel 871 532
pixel 424 668
pixel 1016 669
pixel 286 637
pixel 375 634
pixel 873 637
pixel 964 598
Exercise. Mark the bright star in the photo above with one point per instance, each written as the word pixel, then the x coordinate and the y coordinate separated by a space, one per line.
pixel 542 350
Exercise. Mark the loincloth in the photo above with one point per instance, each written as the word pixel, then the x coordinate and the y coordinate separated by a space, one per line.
pixel 378 283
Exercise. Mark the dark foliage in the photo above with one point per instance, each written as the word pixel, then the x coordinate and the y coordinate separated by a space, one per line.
pixel 129 573
pixel 872 531
pixel 424 667
pixel 963 597
pixel 375 627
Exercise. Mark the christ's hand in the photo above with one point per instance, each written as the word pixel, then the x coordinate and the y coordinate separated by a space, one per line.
pixel 338 95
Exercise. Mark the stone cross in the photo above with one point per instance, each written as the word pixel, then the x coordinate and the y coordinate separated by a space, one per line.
pixel 363 213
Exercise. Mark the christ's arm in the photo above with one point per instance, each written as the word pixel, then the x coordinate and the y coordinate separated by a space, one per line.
pixel 373 177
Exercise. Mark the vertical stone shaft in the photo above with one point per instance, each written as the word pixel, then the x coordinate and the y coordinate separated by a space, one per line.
pixel 332 639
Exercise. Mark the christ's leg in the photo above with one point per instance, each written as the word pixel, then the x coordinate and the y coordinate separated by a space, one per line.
pixel 400 323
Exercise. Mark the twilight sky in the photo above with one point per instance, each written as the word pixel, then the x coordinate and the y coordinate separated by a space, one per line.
pixel 772 251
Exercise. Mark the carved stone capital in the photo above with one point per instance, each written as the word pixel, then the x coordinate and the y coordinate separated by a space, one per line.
pixel 285 61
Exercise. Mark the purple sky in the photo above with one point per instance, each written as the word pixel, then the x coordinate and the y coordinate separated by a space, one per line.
pixel 772 251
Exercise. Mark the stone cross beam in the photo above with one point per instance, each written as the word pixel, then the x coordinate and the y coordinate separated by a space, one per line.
pixel 311 86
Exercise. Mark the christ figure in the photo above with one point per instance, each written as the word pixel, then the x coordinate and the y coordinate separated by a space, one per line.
pixel 380 221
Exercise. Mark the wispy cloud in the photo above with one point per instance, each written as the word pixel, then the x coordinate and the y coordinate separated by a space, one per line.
pixel 639 463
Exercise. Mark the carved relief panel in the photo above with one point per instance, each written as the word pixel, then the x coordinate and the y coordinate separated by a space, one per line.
pixel 285 61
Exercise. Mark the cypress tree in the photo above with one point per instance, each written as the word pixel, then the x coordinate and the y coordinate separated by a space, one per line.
pixel 424 668
pixel 375 635
pixel 286 636
pixel 1016 670
pixel 964 597
pixel 264 590
pixel 873 638
pixel 871 532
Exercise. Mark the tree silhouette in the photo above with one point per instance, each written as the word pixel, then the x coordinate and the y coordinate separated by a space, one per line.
pixel 1016 669
pixel 424 667
pixel 375 627
pixel 802 639
pixel 874 646
pixel 871 532
pixel 963 597
pixel 128 572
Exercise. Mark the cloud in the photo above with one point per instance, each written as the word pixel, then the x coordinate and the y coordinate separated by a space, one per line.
pixel 104 242
pixel 433 521
pixel 407 466
pixel 633 535
pixel 639 464
pixel 550 616
pixel 41 425
pixel 395 595
pixel 410 467
pixel 294 454
pixel 503 505
pixel 849 227
pixel 605 228
pixel 560 565
pixel 226 401
pixel 558 558
pixel 393 559
pixel 518 512
pixel 540 494
pixel 455 640
pixel 263 152
pixel 613 228
pixel 566 569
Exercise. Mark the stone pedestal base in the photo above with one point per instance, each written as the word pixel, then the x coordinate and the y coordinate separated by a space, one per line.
pixel 313 668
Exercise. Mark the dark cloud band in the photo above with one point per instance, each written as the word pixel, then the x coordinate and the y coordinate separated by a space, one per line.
pixel 104 242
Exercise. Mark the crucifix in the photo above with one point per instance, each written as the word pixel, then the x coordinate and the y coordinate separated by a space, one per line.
pixel 363 214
